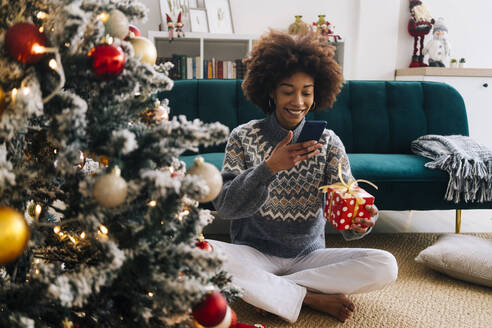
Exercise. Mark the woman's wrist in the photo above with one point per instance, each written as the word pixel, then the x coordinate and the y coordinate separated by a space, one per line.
pixel 271 166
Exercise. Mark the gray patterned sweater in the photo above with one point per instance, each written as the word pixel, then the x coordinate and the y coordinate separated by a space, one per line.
pixel 278 214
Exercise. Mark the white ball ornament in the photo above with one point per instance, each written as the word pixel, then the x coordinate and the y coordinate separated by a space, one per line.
pixel 144 49
pixel 117 24
pixel 110 189
pixel 210 174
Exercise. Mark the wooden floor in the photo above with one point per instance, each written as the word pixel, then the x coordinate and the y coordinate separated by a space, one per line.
pixel 408 221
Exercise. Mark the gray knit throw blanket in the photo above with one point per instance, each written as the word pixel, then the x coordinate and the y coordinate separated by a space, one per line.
pixel 468 163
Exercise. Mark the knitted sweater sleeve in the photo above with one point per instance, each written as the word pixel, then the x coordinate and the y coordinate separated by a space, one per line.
pixel 336 154
pixel 245 189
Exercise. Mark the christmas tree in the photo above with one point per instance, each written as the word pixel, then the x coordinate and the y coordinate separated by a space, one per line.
pixel 99 219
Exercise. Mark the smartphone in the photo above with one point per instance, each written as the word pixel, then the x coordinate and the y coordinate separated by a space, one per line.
pixel 312 130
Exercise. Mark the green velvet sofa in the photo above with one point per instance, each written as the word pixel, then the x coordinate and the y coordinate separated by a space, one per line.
pixel 376 120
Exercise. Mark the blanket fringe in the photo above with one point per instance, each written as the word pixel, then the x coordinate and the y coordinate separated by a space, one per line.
pixel 468 178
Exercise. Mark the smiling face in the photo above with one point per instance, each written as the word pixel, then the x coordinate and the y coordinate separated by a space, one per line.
pixel 293 98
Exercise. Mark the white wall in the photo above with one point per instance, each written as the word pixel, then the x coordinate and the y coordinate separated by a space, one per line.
pixel 375 31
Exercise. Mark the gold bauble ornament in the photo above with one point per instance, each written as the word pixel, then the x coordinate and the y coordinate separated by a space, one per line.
pixel 144 49
pixel 210 174
pixel 14 234
pixel 117 24
pixel 110 189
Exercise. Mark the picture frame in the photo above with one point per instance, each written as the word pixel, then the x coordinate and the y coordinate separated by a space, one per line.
pixel 219 16
pixel 173 7
pixel 198 20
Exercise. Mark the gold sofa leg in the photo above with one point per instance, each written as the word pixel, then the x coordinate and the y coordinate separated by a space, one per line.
pixel 458 221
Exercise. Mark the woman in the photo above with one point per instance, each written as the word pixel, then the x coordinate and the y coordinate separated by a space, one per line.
pixel 271 194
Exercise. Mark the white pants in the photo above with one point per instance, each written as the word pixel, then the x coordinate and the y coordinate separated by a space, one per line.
pixel 279 285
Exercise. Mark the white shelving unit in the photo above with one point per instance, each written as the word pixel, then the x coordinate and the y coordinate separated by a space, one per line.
pixel 205 45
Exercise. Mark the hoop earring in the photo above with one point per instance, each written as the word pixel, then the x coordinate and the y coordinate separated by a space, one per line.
pixel 313 106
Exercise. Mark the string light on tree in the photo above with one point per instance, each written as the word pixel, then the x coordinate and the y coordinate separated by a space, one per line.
pixel 2 99
pixel 110 190
pixel 25 43
pixel 103 17
pixel 14 234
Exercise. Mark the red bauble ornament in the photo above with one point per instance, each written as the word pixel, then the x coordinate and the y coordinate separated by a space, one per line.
pixel 211 310
pixel 107 61
pixel 205 245
pixel 20 39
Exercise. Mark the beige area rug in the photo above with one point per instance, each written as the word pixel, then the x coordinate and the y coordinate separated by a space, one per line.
pixel 420 297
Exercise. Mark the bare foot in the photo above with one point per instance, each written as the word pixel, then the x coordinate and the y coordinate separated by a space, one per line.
pixel 337 305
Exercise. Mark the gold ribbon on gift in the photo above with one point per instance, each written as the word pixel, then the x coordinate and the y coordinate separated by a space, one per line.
pixel 343 187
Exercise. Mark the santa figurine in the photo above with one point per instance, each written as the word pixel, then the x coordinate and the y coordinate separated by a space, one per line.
pixel 179 27
pixel 438 48
pixel 419 26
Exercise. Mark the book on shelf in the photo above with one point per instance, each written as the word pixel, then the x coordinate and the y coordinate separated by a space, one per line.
pixel 219 69
pixel 193 67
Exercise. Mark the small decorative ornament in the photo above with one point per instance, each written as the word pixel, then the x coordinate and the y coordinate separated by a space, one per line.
pixel 419 25
pixel 160 113
pixel 35 210
pixel 213 311
pixel 80 163
pixel 67 323
pixel 203 244
pixel 14 234
pixel 117 24
pixel 438 48
pixel 144 49
pixel 179 27
pixel 24 43
pixel 461 63
pixel 210 174
pixel 170 27
pixel 107 61
pixel 133 31
pixel 299 27
pixel 111 189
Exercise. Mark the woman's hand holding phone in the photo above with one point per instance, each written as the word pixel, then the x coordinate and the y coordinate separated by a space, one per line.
pixel 285 156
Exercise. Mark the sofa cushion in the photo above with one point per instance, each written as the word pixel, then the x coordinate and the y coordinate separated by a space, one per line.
pixel 393 168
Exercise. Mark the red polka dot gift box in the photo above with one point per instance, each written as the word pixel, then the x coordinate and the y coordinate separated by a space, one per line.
pixel 346 201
